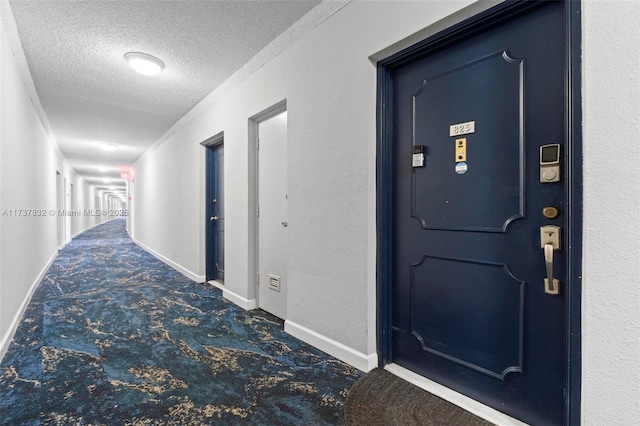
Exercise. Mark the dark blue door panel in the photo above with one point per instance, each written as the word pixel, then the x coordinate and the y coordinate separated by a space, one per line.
pixel 215 213
pixel 486 197
pixel 468 306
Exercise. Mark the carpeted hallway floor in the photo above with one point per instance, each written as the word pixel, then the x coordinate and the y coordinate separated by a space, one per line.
pixel 113 336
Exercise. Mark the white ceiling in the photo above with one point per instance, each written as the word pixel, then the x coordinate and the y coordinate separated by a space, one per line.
pixel 75 49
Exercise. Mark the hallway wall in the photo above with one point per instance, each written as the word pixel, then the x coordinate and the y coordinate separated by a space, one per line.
pixel 29 159
pixel 167 206
pixel 611 285
pixel 84 199
pixel 328 83
pixel 329 86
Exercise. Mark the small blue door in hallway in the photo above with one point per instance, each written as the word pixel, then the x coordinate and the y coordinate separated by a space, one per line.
pixel 478 180
pixel 215 212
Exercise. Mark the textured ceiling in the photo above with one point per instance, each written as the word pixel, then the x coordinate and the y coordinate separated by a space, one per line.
pixel 75 51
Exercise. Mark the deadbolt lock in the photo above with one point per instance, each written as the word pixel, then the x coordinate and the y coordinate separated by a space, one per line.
pixel 550 212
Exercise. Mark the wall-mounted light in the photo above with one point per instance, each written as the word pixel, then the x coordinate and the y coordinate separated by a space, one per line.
pixel 144 64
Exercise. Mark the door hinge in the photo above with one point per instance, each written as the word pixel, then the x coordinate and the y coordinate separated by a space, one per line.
pixel 258 278
pixel 258 214
pixel 257 143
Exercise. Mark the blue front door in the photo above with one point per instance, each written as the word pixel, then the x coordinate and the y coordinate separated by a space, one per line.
pixel 215 213
pixel 469 307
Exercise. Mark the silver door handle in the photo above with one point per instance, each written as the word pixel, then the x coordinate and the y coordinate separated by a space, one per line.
pixel 212 218
pixel 548 261
pixel 550 242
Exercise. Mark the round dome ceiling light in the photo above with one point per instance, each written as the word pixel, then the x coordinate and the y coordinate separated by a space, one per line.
pixel 143 63
pixel 109 146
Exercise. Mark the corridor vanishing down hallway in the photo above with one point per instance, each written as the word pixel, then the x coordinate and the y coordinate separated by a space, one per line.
pixel 114 336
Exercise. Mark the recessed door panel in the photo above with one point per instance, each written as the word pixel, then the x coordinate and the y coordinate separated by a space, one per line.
pixel 469 306
pixel 451 321
pixel 473 193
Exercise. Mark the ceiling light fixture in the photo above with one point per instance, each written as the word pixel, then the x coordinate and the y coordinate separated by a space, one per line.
pixel 143 63
pixel 109 146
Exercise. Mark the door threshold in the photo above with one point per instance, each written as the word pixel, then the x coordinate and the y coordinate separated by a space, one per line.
pixel 462 401
pixel 216 284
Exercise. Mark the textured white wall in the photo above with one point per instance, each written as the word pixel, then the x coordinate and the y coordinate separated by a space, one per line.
pixel 167 203
pixel 29 159
pixel 27 242
pixel 611 262
pixel 4 51
pixel 84 198
pixel 329 84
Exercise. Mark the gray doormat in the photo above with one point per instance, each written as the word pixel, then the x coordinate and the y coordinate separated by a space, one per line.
pixel 382 399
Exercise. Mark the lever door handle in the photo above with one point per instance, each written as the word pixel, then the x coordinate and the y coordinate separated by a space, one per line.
pixel 548 262
pixel 550 242
pixel 212 218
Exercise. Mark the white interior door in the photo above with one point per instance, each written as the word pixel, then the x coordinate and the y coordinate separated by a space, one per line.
pixel 272 215
pixel 59 207
pixel 129 205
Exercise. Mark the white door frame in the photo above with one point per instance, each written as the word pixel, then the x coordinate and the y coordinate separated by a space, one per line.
pixel 60 205
pixel 254 121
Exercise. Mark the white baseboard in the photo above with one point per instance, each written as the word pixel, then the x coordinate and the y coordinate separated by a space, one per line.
pixel 490 414
pixel 8 336
pixel 336 349
pixel 246 304
pixel 84 230
pixel 184 271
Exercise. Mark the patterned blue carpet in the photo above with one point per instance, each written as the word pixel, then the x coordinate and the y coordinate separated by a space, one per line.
pixel 113 336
